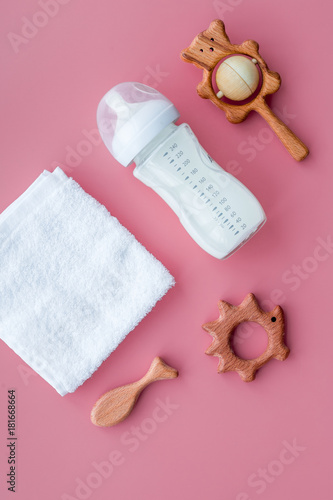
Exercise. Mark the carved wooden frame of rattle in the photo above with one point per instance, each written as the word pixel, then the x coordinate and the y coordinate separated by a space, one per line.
pixel 207 50
pixel 223 328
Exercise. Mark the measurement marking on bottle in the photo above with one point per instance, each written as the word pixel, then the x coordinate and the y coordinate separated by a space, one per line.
pixel 217 214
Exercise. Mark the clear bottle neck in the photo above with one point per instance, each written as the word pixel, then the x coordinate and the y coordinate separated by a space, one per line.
pixel 151 147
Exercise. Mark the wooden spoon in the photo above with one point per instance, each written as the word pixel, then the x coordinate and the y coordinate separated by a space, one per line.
pixel 115 405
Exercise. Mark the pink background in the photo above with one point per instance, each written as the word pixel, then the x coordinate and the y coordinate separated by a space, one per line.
pixel 222 438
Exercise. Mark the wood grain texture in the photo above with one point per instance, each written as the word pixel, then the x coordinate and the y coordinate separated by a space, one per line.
pixel 115 405
pixel 207 50
pixel 223 328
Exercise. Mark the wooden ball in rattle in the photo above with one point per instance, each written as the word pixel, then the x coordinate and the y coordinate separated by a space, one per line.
pixel 237 78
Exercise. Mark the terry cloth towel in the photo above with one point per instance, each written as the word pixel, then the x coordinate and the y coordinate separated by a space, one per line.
pixel 73 281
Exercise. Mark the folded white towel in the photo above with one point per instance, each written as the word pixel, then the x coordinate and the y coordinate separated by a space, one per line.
pixel 73 281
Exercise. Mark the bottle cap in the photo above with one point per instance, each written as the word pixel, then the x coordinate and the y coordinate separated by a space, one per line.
pixel 129 116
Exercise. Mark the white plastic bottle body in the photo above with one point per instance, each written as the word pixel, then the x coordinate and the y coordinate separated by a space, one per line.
pixel 217 210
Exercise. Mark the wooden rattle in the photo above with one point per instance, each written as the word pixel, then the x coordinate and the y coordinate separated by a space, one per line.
pixel 115 405
pixel 223 328
pixel 237 78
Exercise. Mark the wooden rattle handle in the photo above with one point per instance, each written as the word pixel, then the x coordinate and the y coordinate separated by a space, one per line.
pixel 114 406
pixel 292 143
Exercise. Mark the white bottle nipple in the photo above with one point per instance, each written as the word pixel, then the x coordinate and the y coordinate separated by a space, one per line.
pixel 129 116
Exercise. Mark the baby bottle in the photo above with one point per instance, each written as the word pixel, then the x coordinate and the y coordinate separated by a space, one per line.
pixel 137 123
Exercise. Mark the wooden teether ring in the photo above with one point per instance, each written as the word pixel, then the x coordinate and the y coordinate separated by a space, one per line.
pixel 232 316
pixel 207 50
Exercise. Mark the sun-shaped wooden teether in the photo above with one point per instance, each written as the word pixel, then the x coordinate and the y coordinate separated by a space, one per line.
pixel 232 316
pixel 207 50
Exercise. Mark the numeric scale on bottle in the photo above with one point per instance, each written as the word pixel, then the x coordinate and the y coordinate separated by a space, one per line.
pixel 220 208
